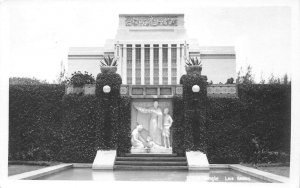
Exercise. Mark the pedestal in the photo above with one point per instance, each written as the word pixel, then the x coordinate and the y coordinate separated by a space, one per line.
pixel 104 160
pixel 197 160
pixel 151 151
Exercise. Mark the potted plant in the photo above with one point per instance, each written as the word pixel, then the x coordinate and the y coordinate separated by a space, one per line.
pixel 108 65
pixel 77 82
pixel 193 65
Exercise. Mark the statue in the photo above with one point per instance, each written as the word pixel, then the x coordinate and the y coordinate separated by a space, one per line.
pixel 155 124
pixel 136 139
pixel 167 124
pixel 151 144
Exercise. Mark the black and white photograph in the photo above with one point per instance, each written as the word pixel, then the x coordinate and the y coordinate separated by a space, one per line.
pixel 98 93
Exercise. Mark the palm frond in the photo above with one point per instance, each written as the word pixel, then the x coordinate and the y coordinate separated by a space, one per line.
pixel 108 61
pixel 193 61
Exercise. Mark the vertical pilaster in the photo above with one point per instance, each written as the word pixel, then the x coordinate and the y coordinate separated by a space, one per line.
pixel 133 64
pixel 124 65
pixel 169 64
pixel 178 63
pixel 151 64
pixel 142 64
pixel 117 55
pixel 183 49
pixel 160 64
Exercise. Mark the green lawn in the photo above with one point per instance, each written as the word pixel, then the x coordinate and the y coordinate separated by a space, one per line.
pixel 275 169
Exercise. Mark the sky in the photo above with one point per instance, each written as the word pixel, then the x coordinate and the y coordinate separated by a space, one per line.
pixel 40 32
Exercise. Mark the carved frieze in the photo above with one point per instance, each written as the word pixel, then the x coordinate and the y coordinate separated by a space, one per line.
pixel 151 21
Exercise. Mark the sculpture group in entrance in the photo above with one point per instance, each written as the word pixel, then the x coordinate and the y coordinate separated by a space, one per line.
pixel 157 137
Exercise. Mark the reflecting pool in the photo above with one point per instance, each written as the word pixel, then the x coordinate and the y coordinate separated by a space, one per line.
pixel 213 175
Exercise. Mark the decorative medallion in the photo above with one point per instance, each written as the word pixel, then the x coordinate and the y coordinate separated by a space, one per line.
pixel 124 90
pixel 179 90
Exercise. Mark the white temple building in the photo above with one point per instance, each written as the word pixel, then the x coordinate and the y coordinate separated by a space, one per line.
pixel 151 49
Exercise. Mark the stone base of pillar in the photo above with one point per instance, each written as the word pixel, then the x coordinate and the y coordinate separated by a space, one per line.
pixel 197 160
pixel 151 150
pixel 104 160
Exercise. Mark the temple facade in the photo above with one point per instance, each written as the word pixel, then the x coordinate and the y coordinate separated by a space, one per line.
pixel 152 49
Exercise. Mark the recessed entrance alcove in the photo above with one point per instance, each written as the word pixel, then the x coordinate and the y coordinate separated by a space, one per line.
pixel 153 124
pixel 151 117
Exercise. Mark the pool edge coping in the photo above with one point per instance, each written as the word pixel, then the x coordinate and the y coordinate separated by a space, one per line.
pixel 263 175
pixel 40 172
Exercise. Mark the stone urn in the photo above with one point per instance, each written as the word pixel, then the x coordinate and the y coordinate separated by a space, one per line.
pixel 193 69
pixel 108 69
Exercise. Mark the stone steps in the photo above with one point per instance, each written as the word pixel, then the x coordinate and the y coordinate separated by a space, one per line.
pixel 150 162
pixel 149 155
pixel 130 167
pixel 150 159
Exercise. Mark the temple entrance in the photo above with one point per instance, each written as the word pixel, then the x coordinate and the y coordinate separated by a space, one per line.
pixel 151 121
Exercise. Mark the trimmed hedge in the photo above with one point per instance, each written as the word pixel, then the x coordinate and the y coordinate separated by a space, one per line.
pixel 81 117
pixel 268 114
pixel 194 112
pixel 100 122
pixel 225 131
pixel 177 128
pixel 124 128
pixel 107 130
pixel 267 117
pixel 88 127
pixel 35 116
pixel 45 125
pixel 254 128
pixel 113 80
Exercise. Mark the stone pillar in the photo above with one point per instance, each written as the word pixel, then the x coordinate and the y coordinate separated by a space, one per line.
pixel 124 65
pixel 151 64
pixel 142 64
pixel 133 64
pixel 182 63
pixel 118 55
pixel 169 64
pixel 160 64
pixel 178 64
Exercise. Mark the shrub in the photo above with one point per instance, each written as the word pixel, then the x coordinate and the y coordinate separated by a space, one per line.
pixel 92 124
pixel 45 125
pixel 78 79
pixel 81 117
pixel 262 112
pixel 224 131
pixel 107 131
pixel 194 112
pixel 267 114
pixel 124 126
pixel 177 127
pixel 113 80
pixel 35 115
pixel 225 128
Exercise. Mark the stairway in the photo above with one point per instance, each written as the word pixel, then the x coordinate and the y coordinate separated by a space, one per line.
pixel 150 162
